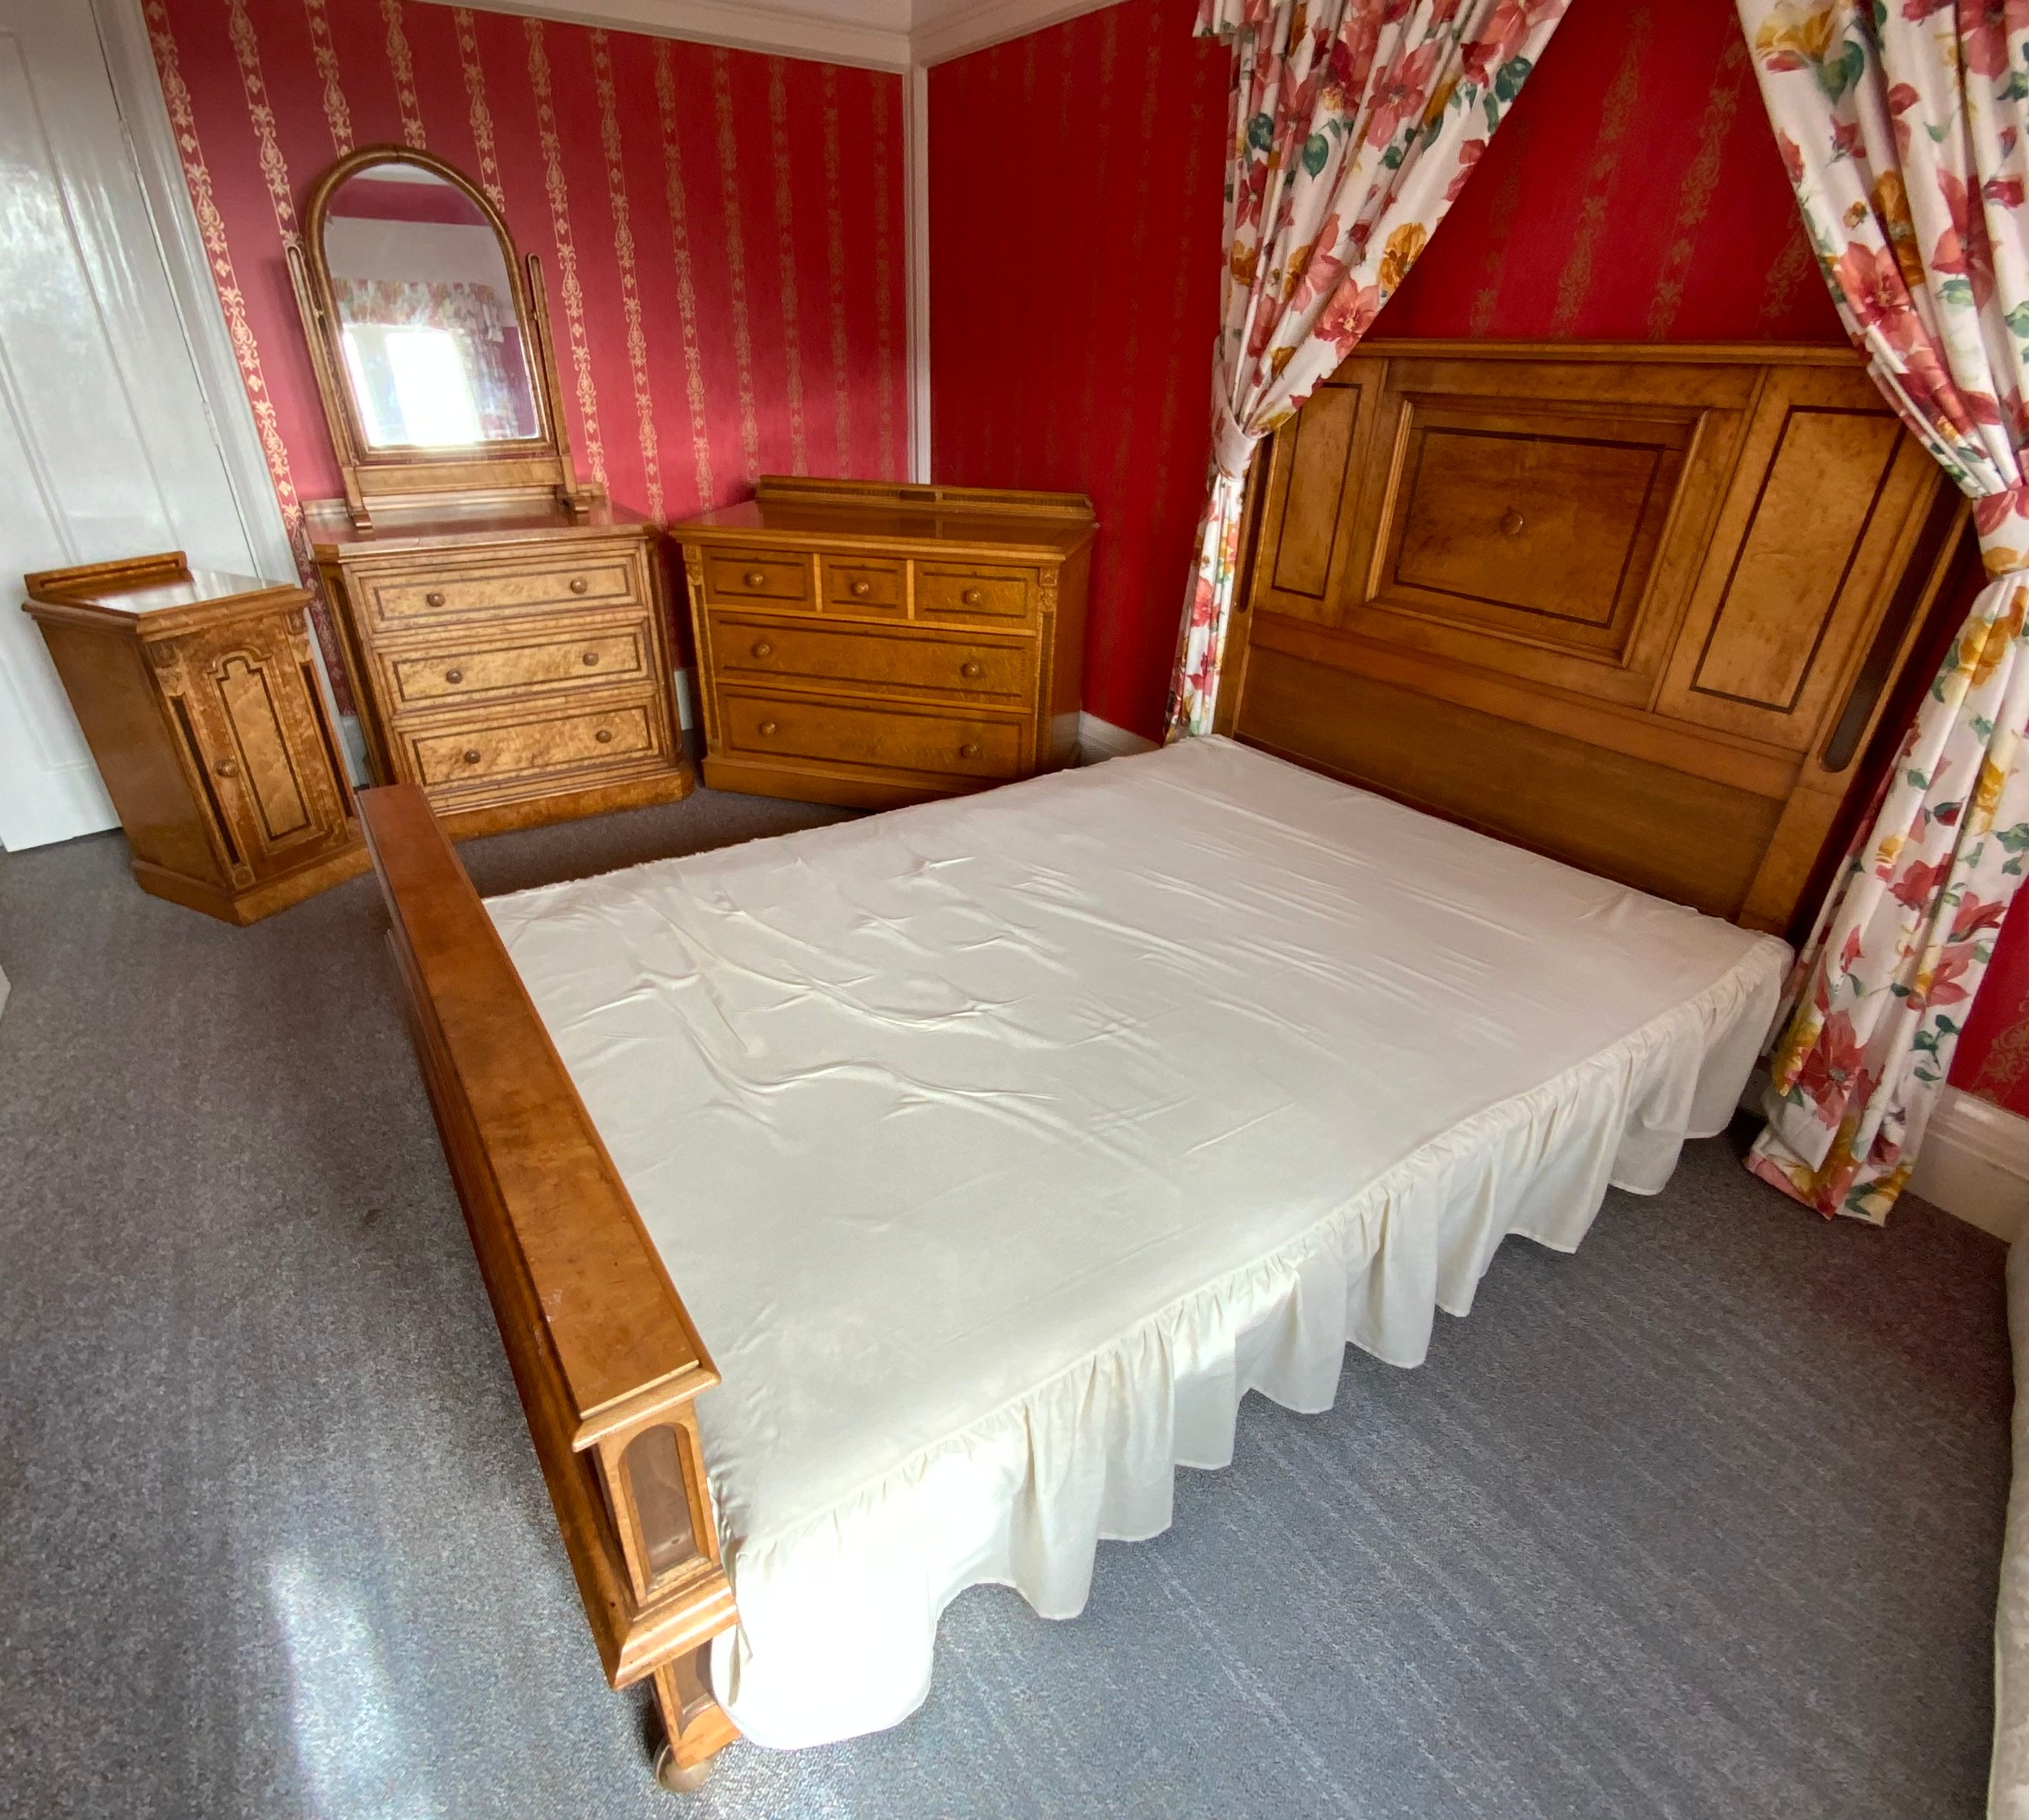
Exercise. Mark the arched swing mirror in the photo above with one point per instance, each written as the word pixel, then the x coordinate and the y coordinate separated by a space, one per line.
pixel 429 336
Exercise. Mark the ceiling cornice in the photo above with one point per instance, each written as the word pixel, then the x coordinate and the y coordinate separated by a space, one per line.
pixel 868 34
pixel 940 30
pixel 871 34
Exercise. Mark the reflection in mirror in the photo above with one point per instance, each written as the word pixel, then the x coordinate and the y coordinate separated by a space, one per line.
pixel 427 314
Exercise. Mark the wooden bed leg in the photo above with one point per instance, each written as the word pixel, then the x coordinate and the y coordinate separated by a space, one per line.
pixel 694 1724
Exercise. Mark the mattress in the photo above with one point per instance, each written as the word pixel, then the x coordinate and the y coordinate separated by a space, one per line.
pixel 998 1147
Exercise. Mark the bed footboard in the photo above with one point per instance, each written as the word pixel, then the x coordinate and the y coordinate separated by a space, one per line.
pixel 604 1354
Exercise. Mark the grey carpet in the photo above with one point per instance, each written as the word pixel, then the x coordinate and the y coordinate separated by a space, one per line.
pixel 1704 1520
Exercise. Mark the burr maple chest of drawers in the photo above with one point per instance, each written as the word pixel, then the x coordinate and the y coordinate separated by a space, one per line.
pixel 197 694
pixel 868 644
pixel 511 659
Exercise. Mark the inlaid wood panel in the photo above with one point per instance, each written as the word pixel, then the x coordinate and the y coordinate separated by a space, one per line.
pixel 251 713
pixel 1508 513
pixel 1638 607
pixel 1308 511
pixel 246 699
pixel 1821 492
pixel 1804 559
pixel 1537 519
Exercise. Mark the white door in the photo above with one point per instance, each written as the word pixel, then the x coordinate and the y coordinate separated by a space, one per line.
pixel 106 448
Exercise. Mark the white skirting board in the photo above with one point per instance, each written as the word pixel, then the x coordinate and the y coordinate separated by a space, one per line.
pixel 1101 739
pixel 1975 1162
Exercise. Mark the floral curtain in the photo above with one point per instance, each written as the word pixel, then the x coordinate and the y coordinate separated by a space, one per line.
pixel 1356 123
pixel 1901 122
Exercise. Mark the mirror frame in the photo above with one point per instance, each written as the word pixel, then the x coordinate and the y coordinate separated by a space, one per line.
pixel 505 472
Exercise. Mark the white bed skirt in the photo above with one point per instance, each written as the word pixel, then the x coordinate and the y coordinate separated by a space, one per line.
pixel 838 1619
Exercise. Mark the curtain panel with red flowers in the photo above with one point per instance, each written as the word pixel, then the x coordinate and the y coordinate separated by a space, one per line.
pixel 1902 124
pixel 1356 123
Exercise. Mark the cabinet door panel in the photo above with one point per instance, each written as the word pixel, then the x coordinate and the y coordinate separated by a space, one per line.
pixel 257 729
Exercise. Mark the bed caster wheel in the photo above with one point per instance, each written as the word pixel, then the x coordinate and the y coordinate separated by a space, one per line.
pixel 681 1779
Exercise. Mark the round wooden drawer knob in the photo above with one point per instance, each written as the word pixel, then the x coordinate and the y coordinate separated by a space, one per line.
pixel 472 754
pixel 970 668
pixel 970 597
pixel 1512 521
pixel 434 598
pixel 754 577
pixel 454 676
pixel 604 736
pixel 968 751
pixel 764 649
pixel 226 768
pixel 767 727
pixel 861 590
pixel 578 584
pixel 592 657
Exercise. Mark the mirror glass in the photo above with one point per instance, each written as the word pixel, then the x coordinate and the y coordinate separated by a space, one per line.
pixel 433 340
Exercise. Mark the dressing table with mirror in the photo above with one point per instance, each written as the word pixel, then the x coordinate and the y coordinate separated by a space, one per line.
pixel 504 626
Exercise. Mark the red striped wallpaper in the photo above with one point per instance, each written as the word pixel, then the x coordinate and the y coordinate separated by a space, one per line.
pixel 1074 229
pixel 1633 193
pixel 722 232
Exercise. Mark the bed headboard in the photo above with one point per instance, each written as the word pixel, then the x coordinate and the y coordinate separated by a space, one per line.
pixel 1636 607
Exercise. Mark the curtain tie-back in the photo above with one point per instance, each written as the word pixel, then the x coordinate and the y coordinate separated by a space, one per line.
pixel 2002 521
pixel 1233 444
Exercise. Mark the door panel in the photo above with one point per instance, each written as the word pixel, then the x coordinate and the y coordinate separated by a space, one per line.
pixel 106 448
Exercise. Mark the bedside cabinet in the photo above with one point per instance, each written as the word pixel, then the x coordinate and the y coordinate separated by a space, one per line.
pixel 198 698
pixel 870 644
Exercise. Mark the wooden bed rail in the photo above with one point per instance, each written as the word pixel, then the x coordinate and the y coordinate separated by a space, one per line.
pixel 604 1354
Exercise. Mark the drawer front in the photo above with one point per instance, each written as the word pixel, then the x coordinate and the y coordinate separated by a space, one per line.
pixel 865 584
pixel 767 727
pixel 555 578
pixel 549 660
pixel 521 749
pixel 781 576
pixel 875 658
pixel 953 591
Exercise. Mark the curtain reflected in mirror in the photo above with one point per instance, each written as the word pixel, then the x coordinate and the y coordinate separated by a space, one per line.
pixel 432 337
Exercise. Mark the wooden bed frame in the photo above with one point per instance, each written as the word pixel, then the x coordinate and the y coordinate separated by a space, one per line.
pixel 603 1352
pixel 1603 737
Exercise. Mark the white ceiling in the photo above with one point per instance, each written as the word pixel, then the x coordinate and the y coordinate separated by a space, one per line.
pixel 878 34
